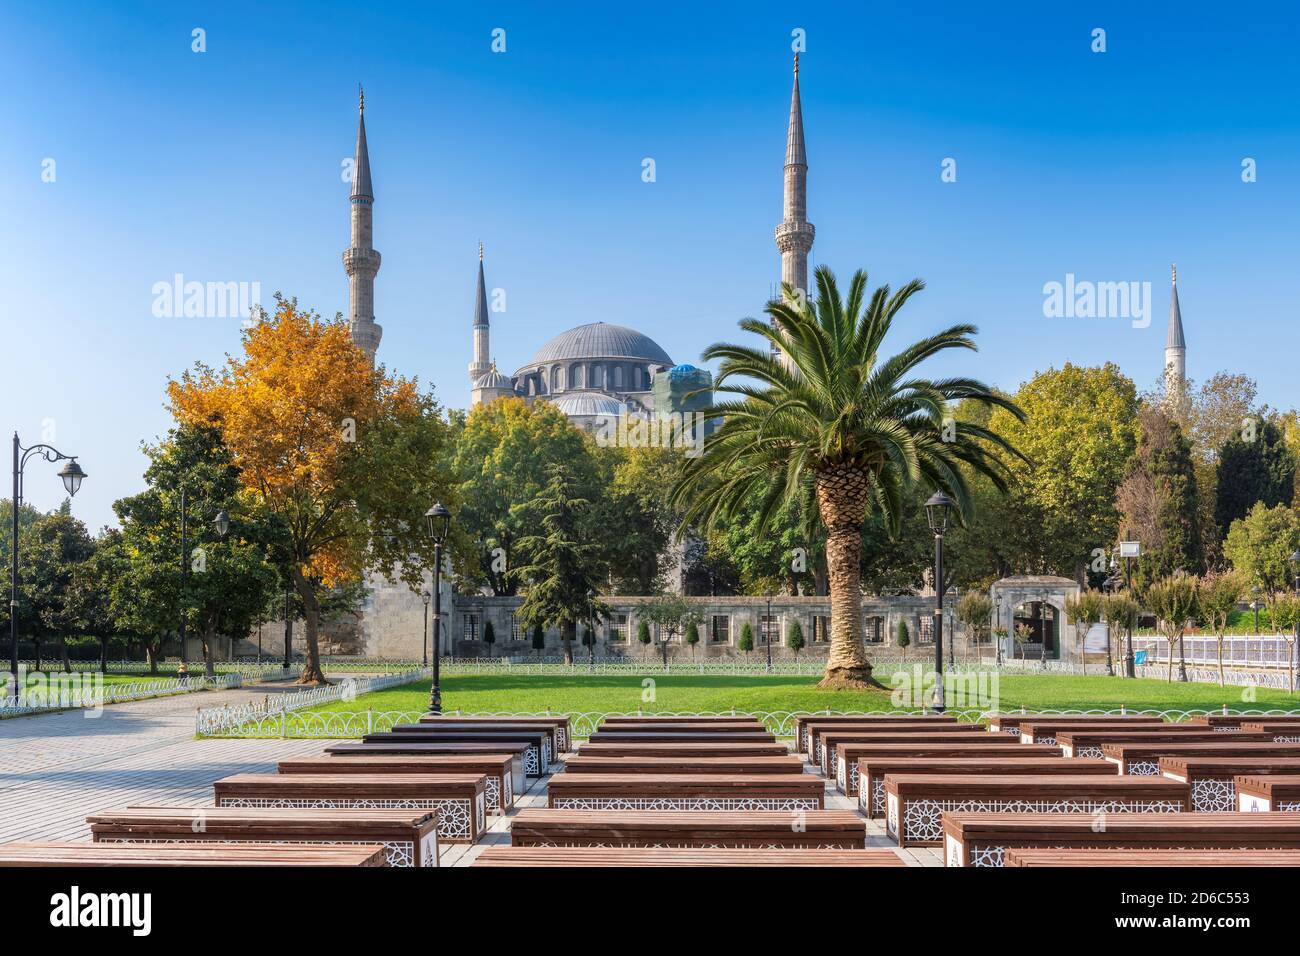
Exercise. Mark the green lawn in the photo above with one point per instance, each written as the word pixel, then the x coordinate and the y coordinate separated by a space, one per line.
pixel 681 692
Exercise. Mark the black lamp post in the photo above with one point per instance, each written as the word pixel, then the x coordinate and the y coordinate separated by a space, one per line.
pixel 1254 606
pixel 1295 570
pixel 767 637
pixel 1129 550
pixel 72 476
pixel 936 510
pixel 424 635
pixel 437 520
pixel 997 639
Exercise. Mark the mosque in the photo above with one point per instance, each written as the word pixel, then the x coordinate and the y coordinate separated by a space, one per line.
pixel 593 372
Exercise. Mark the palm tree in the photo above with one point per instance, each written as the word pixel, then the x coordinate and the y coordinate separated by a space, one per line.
pixel 825 421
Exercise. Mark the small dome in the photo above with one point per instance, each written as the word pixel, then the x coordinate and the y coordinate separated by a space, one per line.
pixel 601 340
pixel 494 379
pixel 588 403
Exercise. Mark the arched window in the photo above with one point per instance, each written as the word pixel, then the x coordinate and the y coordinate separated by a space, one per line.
pixel 618 376
pixel 597 376
pixel 557 379
pixel 575 376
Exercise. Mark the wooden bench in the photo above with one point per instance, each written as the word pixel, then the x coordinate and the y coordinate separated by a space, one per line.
pixel 873 770
pixel 1234 721
pixel 980 839
pixel 743 766
pixel 537 756
pixel 827 744
pixel 772 829
pixel 724 730
pixel 475 724
pixel 801 723
pixel 678 793
pixel 699 749
pixel 1152 858
pixel 409 837
pixel 815 731
pixel 1011 723
pixel 678 719
pixel 1213 779
pixel 1280 793
pixel 496 770
pixel 561 736
pixel 585 856
pixel 546 736
pixel 1088 743
pixel 916 803
pixel 431 748
pixel 679 737
pixel 457 797
pixel 1282 731
pixel 1142 758
pixel 189 854
pixel 848 756
pixel 1044 730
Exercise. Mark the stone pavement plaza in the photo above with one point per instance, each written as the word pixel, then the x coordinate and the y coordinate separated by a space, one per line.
pixel 57 769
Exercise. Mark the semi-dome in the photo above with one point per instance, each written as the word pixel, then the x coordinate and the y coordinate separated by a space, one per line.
pixel 493 379
pixel 588 403
pixel 601 340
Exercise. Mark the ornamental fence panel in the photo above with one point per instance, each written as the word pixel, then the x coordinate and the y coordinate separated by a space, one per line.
pixel 58 695
pixel 347 724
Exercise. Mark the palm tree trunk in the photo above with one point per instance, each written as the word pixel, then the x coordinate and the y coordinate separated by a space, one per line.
pixel 842 500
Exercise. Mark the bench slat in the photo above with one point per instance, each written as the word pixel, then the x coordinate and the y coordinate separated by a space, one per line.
pixel 682 856
pixel 189 854
pixel 1151 858
pixel 819 828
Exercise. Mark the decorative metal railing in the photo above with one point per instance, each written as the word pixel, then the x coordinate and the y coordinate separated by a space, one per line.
pixel 1262 651
pixel 58 696
pixel 341 724
pixel 228 720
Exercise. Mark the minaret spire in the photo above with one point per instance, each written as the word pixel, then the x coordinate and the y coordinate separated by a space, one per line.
pixel 794 236
pixel 360 259
pixel 481 364
pixel 1175 348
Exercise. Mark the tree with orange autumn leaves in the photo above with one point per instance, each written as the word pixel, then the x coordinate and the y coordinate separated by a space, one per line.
pixel 341 458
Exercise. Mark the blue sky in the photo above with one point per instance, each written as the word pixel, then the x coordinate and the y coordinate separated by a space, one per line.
pixel 225 166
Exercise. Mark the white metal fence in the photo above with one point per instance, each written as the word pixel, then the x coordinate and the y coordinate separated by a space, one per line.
pixel 779 723
pixel 1271 650
pixel 59 696
pixel 227 720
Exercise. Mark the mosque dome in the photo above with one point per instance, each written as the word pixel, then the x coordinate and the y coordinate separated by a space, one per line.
pixel 576 404
pixel 493 379
pixel 600 340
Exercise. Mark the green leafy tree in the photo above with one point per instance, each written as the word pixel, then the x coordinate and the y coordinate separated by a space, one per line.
pixel 539 638
pixel 834 425
pixel 794 638
pixel 1084 610
pixel 561 568
pixel 975 611
pixel 52 553
pixel 642 632
pixel 1174 600
pixel 489 635
pixel 1260 544
pixel 1159 500
pixel 503 461
pixel 1255 466
pixel 1221 591
pixel 1079 430
pixel 692 636
pixel 631 517
pixel 902 638
pixel 672 614
pixel 746 641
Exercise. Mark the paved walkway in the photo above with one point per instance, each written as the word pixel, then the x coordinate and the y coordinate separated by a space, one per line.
pixel 56 769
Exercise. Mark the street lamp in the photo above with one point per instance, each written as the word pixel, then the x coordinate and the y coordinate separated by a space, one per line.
pixel 997 639
pixel 1128 550
pixel 72 476
pixel 937 509
pixel 1254 606
pixel 437 521
pixel 424 634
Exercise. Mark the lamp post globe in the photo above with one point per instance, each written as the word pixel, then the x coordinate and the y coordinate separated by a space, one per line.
pixel 222 523
pixel 72 476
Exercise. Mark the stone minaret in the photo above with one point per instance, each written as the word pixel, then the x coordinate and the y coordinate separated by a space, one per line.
pixel 360 260
pixel 1175 350
pixel 481 365
pixel 794 237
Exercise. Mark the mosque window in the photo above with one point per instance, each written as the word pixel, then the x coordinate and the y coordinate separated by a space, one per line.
pixel 618 376
pixel 575 376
